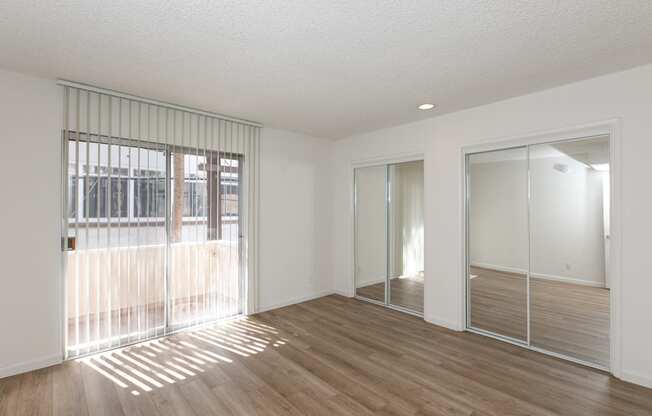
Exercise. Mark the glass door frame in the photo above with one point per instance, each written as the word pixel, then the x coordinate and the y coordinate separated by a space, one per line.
pixel 609 128
pixel 168 328
pixel 386 163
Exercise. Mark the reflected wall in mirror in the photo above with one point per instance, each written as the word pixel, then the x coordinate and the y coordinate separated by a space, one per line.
pixel 405 225
pixel 370 232
pixel 569 223
pixel 497 242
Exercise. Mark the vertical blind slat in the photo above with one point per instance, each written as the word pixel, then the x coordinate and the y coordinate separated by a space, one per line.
pixel 86 217
pixel 109 190
pixel 129 253
pixel 77 293
pixel 120 256
pixel 97 212
pixel 65 179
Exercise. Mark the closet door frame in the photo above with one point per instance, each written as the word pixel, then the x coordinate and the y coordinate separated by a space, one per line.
pixel 366 163
pixel 611 128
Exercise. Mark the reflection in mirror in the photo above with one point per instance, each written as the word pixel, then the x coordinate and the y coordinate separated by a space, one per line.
pixel 405 224
pixel 498 242
pixel 569 220
pixel 370 232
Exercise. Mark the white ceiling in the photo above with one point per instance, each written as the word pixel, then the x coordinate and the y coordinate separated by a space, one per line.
pixel 328 68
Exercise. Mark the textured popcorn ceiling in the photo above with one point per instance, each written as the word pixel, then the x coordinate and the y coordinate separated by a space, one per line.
pixel 329 68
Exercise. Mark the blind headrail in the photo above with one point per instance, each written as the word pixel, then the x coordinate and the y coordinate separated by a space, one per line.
pixel 132 97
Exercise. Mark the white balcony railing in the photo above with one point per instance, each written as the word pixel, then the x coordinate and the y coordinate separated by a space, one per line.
pixel 116 291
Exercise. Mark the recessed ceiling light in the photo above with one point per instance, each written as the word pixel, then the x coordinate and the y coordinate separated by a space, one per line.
pixel 426 107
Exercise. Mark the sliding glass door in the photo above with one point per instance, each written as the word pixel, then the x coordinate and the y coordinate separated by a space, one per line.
pixel 115 274
pixel 157 234
pixel 389 235
pixel 538 246
pixel 204 236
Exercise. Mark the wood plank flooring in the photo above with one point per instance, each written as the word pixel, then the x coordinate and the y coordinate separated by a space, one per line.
pixel 406 292
pixel 499 302
pixel 566 318
pixel 330 356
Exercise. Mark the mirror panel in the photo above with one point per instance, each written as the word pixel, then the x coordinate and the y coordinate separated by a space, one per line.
pixel 569 223
pixel 497 238
pixel 406 233
pixel 370 232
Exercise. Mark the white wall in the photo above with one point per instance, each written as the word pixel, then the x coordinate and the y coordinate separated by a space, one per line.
pixel 294 223
pixel 625 96
pixel 295 219
pixel 30 291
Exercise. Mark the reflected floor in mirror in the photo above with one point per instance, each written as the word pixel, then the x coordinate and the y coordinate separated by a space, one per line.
pixel 329 356
pixel 406 292
pixel 567 318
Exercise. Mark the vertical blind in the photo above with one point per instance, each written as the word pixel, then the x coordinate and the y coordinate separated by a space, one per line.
pixel 160 205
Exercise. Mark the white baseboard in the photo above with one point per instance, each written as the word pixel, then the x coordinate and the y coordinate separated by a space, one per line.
pixel 375 281
pixel 294 301
pixel 342 293
pixel 538 275
pixel 636 378
pixel 30 365
pixel 567 280
pixel 371 282
pixel 496 267
pixel 443 322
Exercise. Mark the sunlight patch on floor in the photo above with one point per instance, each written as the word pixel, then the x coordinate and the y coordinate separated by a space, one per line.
pixel 153 364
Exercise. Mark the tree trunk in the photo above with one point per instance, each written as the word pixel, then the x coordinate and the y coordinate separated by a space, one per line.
pixel 177 201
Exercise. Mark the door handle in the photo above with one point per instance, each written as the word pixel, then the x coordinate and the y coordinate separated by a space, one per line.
pixel 69 243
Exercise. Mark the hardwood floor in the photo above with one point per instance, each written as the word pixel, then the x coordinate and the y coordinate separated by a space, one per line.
pixel 330 356
pixel 499 302
pixel 406 292
pixel 567 318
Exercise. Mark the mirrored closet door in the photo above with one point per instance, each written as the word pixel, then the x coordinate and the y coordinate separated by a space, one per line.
pixel 370 232
pixel 389 234
pixel 569 223
pixel 537 247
